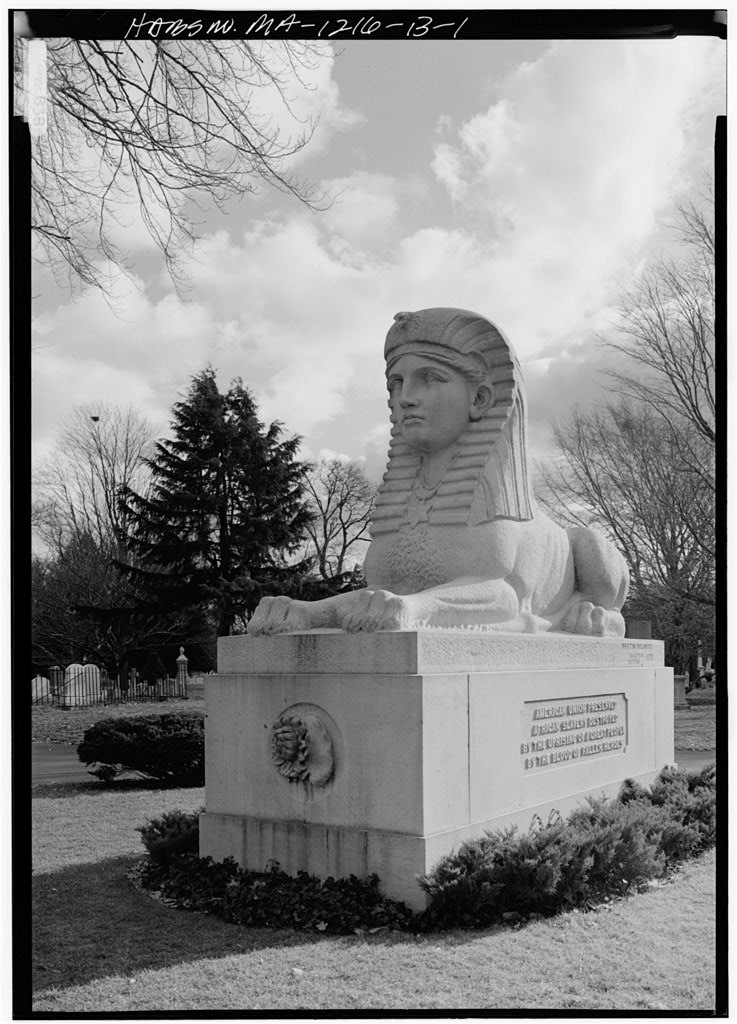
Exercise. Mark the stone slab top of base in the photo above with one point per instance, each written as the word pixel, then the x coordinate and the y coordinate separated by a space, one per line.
pixel 427 652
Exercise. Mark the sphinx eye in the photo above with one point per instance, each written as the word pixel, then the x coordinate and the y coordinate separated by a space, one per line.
pixel 393 383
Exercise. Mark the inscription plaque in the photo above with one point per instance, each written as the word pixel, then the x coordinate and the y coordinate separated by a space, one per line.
pixel 558 732
pixel 638 652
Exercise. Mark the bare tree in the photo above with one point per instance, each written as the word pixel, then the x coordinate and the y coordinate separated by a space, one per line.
pixel 170 124
pixel 81 603
pixel 643 469
pixel 101 449
pixel 621 469
pixel 341 501
pixel 666 329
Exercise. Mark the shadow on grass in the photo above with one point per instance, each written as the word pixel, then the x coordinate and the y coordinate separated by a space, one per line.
pixel 91 922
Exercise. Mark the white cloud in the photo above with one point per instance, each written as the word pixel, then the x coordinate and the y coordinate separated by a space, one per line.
pixel 588 140
pixel 330 455
pixel 364 210
pixel 493 138
pixel 565 177
pixel 446 166
pixel 277 309
pixel 556 186
pixel 142 354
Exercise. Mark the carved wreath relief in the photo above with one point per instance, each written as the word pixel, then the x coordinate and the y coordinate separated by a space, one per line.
pixel 301 748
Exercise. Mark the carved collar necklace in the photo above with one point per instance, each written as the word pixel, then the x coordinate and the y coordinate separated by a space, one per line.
pixel 419 506
pixel 425 492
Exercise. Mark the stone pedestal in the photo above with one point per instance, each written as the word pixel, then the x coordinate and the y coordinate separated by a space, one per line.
pixel 344 754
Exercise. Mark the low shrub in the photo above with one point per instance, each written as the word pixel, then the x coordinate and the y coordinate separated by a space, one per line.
pixel 273 899
pixel 690 805
pixel 168 747
pixel 174 833
pixel 606 848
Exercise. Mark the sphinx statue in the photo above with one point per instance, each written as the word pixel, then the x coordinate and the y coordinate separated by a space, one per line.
pixel 456 537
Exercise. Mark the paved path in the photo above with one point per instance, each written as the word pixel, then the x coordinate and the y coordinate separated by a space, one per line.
pixel 58 762
pixel 692 760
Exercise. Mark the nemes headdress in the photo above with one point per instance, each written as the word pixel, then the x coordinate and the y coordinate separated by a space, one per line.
pixel 487 478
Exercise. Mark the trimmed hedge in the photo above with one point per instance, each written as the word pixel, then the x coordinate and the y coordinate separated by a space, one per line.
pixel 604 849
pixel 168 747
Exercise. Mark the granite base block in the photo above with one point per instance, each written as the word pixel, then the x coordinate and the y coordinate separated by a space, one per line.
pixel 417 741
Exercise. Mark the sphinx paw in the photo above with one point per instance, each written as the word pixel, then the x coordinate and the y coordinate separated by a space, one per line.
pixel 279 615
pixel 374 610
pixel 588 619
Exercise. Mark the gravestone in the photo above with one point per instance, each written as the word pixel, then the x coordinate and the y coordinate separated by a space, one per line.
pixel 639 629
pixel 679 692
pixel 40 689
pixel 107 686
pixel 81 686
pixel 56 680
pixel 481 678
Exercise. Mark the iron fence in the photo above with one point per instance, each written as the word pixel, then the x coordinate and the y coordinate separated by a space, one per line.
pixel 87 685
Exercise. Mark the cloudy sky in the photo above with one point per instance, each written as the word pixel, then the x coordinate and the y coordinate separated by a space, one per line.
pixel 525 180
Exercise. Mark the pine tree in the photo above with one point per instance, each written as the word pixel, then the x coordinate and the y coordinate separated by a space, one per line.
pixel 223 509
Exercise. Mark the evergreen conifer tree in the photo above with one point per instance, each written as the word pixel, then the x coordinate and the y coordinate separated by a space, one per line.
pixel 224 506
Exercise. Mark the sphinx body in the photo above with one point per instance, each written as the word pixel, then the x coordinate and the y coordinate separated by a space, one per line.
pixel 456 537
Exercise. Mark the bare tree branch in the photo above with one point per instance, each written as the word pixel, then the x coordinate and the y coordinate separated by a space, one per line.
pixel 665 327
pixel 341 502
pixel 172 125
pixel 620 469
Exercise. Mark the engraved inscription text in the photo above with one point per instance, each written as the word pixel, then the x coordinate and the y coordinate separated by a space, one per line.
pixel 556 732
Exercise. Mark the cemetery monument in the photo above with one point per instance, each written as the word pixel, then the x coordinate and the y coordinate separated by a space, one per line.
pixel 481 678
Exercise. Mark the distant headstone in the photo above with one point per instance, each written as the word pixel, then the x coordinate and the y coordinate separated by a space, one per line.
pixel 107 685
pixel 639 629
pixel 40 689
pixel 679 691
pixel 81 685
pixel 56 678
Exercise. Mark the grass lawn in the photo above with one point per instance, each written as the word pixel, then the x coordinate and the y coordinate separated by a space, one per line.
pixel 695 727
pixel 101 945
pixel 67 725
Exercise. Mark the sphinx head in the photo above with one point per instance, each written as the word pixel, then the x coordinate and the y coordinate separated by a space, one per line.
pixel 438 370
pixel 454 380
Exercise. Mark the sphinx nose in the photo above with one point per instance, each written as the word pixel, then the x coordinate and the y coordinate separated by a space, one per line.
pixel 407 396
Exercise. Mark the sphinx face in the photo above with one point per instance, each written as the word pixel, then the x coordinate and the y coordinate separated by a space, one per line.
pixel 431 402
